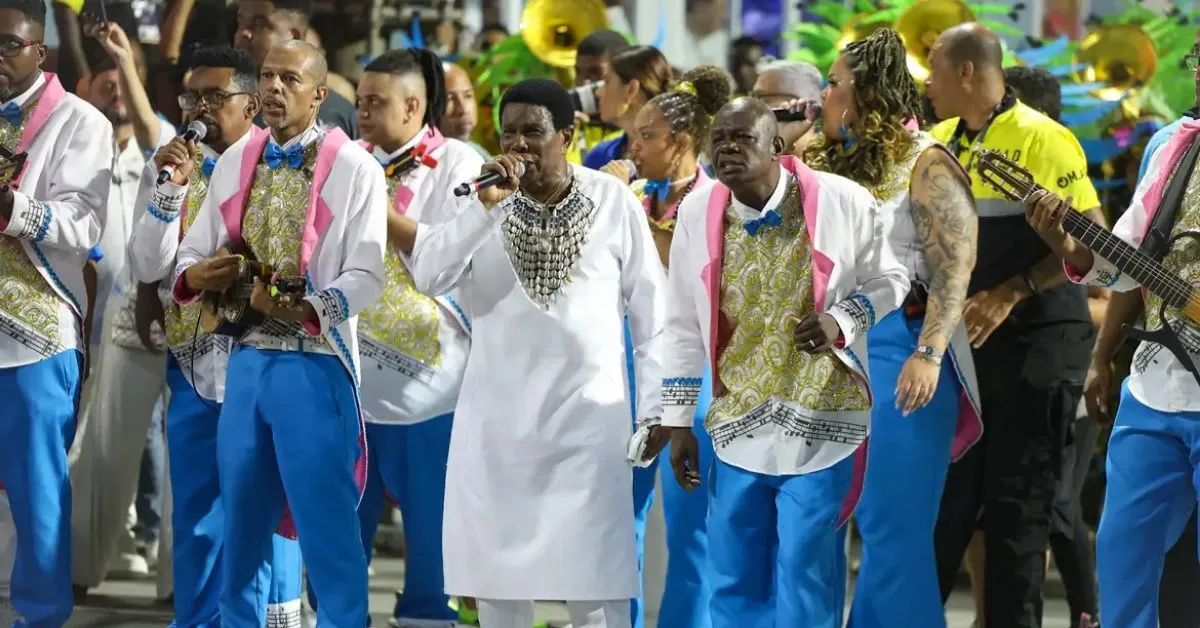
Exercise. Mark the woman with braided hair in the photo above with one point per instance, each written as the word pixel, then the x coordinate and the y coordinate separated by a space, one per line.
pixel 925 410
pixel 668 135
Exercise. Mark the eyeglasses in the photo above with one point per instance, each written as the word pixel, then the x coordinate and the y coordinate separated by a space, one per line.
pixel 1191 61
pixel 12 46
pixel 213 100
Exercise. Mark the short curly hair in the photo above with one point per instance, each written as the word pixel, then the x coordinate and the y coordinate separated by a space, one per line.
pixel 1036 87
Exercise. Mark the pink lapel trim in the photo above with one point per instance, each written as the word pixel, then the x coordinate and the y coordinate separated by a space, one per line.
pixel 52 94
pixel 1174 150
pixel 319 216
pixel 234 207
pixel 810 190
pixel 254 132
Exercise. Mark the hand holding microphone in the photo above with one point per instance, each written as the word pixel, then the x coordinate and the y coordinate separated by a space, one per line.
pixel 796 118
pixel 623 169
pixel 496 181
pixel 174 161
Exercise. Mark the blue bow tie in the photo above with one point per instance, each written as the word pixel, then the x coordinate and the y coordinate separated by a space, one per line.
pixel 770 218
pixel 12 113
pixel 658 188
pixel 207 166
pixel 274 156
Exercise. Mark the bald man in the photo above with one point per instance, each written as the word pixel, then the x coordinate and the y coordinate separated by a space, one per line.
pixel 1031 333
pixel 791 397
pixel 461 112
pixel 311 204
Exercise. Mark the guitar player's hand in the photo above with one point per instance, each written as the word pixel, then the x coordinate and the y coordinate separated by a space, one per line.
pixel 1045 212
pixel 284 308
pixel 214 274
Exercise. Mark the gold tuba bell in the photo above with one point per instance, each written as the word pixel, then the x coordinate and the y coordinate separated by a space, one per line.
pixel 553 28
pixel 860 27
pixel 1121 55
pixel 921 24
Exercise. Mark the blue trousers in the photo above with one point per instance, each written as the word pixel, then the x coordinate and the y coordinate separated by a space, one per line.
pixel 773 547
pixel 686 593
pixel 37 421
pixel 907 461
pixel 198 517
pixel 409 462
pixel 288 435
pixel 1153 482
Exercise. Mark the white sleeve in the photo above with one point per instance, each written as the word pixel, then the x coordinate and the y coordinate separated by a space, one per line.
pixel 683 351
pixel 156 224
pixel 362 276
pixel 72 214
pixel 207 233
pixel 1103 274
pixel 881 279
pixel 643 287
pixel 443 252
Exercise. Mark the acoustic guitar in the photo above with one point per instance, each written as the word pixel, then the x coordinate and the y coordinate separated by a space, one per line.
pixel 229 313
pixel 1180 300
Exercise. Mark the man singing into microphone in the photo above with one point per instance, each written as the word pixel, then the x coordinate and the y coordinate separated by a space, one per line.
pixel 309 203
pixel 222 95
pixel 548 262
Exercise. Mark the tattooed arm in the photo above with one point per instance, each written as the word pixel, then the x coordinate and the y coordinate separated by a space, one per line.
pixel 943 211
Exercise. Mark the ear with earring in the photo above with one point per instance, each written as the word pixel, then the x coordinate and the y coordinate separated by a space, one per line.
pixel 845 132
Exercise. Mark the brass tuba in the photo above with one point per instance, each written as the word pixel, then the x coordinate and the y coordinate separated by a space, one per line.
pixel 860 27
pixel 553 28
pixel 1121 55
pixel 921 24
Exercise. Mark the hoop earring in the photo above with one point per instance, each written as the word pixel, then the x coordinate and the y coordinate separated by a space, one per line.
pixel 847 140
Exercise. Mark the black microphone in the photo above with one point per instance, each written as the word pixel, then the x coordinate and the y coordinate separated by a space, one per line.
pixel 787 115
pixel 195 132
pixel 486 180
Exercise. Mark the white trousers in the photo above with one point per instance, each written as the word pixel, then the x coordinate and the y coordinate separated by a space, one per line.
pixel 125 385
pixel 519 614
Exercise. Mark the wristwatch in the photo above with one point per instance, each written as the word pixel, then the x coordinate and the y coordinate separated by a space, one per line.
pixel 929 353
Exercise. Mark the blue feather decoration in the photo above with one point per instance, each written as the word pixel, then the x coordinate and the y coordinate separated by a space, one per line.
pixel 416 38
pixel 1075 89
pixel 1042 55
pixel 1101 150
pixel 1063 70
pixel 1087 116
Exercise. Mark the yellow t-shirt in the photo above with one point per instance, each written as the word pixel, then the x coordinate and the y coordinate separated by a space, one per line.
pixel 74 5
pixel 1046 148
pixel 1052 154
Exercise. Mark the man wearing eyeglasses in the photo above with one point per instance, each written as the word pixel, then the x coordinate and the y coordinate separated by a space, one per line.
pixel 222 85
pixel 51 216
pixel 780 82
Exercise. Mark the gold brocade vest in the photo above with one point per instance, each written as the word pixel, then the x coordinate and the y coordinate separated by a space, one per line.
pixel 273 223
pixel 1184 256
pixel 25 295
pixel 403 318
pixel 182 328
pixel 766 289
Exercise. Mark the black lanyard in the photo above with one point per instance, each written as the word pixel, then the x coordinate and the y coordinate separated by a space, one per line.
pixel 955 143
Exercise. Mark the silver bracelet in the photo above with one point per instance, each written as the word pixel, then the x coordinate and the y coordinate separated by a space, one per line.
pixel 928 353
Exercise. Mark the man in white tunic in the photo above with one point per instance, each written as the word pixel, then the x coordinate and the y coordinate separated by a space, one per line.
pixel 548 262
pixel 777 273
pixel 222 88
pixel 50 217
pixel 414 348
pixel 310 203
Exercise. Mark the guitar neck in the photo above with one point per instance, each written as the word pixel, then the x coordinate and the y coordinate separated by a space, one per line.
pixel 1129 259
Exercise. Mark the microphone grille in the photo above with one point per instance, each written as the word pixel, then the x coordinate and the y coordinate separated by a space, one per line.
pixel 199 129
